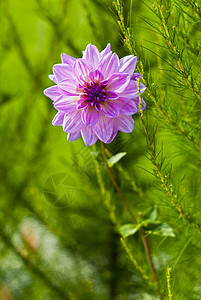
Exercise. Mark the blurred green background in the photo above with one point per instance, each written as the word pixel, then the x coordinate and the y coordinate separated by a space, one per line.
pixel 58 236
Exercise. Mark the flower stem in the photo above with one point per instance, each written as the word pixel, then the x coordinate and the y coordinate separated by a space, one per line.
pixel 116 185
pixel 144 240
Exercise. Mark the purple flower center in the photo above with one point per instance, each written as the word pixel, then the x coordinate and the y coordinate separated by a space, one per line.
pixel 94 94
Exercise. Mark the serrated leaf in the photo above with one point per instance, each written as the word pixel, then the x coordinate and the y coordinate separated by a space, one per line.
pixel 129 229
pixel 114 159
pixel 163 230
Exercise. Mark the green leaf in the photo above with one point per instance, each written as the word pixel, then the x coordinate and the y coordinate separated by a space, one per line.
pixel 114 159
pixel 129 229
pixel 94 154
pixel 163 230
pixel 153 214
pixel 150 215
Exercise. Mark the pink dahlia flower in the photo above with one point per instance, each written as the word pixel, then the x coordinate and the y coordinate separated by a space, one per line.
pixel 95 95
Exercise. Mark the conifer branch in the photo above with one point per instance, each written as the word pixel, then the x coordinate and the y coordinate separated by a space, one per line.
pixel 128 42
pixel 180 65
pixel 194 6
pixel 167 188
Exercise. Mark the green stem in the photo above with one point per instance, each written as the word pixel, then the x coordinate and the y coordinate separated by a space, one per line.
pixel 144 240
pixel 170 296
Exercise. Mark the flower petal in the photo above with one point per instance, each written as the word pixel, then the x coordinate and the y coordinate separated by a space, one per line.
pixel 73 123
pixel 115 131
pixel 136 101
pixel 128 64
pixel 110 109
pixel 70 87
pixel 73 136
pixel 58 119
pixel 136 76
pixel 131 91
pixel 90 116
pixel 88 135
pixel 111 95
pixel 82 104
pixel 96 76
pixel 118 82
pixel 127 107
pixel 66 104
pixel 81 68
pixel 124 123
pixel 98 106
pixel 109 64
pixel 53 78
pixel 92 55
pixel 52 92
pixel 106 50
pixel 67 59
pixel 104 128
pixel 63 72
pixel 142 88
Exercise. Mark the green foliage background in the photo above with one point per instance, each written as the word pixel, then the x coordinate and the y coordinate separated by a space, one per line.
pixel 69 247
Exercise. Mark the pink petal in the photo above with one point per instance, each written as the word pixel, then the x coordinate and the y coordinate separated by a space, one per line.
pixel 110 109
pixel 109 64
pixel 88 135
pixel 52 92
pixel 136 101
pixel 58 119
pixel 104 128
pixel 73 123
pixel 73 136
pixel 83 104
pixel 53 78
pixel 67 59
pixel 90 116
pixel 81 68
pixel 98 106
pixel 142 88
pixel 124 123
pixel 65 103
pixel 63 72
pixel 69 86
pixel 135 76
pixel 127 107
pixel 128 64
pixel 118 82
pixel 115 131
pixel 96 76
pixel 111 95
pixel 131 90
pixel 106 50
pixel 92 55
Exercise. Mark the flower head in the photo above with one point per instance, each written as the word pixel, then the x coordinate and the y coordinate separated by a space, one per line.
pixel 95 95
